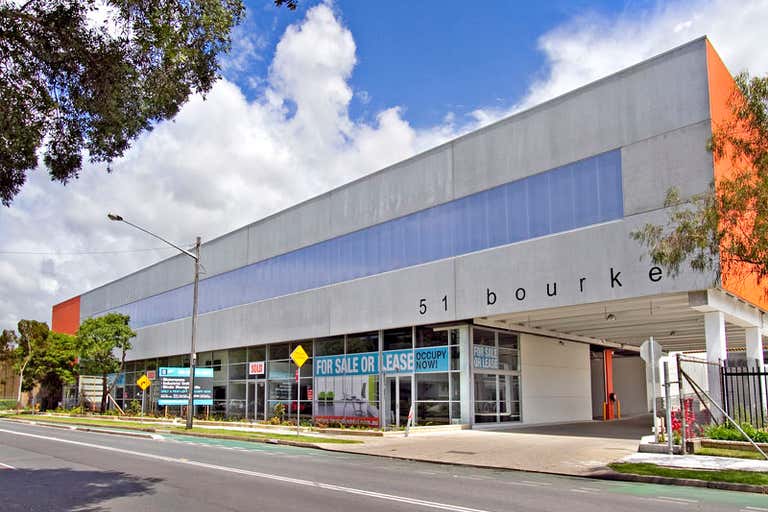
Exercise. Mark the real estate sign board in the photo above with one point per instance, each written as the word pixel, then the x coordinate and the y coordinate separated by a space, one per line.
pixel 174 386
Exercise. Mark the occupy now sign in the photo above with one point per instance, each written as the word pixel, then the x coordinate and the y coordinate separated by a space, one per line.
pixel 430 359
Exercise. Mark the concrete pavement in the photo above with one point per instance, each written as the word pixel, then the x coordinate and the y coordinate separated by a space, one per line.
pixel 579 449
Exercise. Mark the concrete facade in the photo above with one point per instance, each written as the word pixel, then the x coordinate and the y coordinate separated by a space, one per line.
pixel 631 135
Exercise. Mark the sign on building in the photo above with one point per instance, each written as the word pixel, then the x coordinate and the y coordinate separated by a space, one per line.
pixel 174 386
pixel 256 368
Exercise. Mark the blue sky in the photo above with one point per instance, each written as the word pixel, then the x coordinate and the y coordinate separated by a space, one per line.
pixel 433 57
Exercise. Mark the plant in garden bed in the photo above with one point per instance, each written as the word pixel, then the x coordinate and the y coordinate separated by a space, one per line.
pixel 728 432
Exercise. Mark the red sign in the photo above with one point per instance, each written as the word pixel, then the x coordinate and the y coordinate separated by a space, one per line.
pixel 151 374
pixel 256 368
pixel 297 375
pixel 309 393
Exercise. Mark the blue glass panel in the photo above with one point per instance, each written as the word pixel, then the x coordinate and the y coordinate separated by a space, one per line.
pixel 538 205
pixel 561 199
pixel 497 231
pixel 575 195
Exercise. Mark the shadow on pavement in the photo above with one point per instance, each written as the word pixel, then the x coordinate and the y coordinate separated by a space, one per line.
pixel 630 429
pixel 65 489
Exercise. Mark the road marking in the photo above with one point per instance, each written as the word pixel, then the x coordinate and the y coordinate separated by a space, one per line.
pixel 6 466
pixel 679 499
pixel 669 501
pixel 256 474
pixel 535 483
pixel 759 509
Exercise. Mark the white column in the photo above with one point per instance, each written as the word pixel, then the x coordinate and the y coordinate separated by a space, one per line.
pixel 465 376
pixel 714 334
pixel 754 337
pixel 754 346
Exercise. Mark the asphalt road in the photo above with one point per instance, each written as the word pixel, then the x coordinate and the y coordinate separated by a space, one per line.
pixel 52 470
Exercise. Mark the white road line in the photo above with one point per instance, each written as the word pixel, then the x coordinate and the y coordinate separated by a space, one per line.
pixel 670 501
pixel 535 483
pixel 678 499
pixel 759 509
pixel 6 466
pixel 256 474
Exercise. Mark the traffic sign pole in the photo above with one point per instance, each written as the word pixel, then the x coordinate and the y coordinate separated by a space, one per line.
pixel 299 357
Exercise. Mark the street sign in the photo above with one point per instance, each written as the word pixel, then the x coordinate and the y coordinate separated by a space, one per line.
pixel 143 382
pixel 299 356
pixel 651 352
pixel 151 374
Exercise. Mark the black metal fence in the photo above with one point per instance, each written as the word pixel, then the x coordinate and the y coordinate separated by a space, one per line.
pixel 744 394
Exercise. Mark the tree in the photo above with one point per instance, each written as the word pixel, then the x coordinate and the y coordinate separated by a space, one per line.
pixel 31 340
pixel 725 229
pixel 85 76
pixel 8 343
pixel 99 339
pixel 53 364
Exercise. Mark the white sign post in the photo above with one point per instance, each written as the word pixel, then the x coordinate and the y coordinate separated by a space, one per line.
pixel 651 352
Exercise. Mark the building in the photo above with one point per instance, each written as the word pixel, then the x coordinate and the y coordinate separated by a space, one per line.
pixel 477 281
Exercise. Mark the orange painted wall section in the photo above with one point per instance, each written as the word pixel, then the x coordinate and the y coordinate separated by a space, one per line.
pixel 66 316
pixel 722 86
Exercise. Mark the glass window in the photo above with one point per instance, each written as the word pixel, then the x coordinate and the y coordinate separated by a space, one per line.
pixel 279 351
pixel 237 391
pixel 485 398
pixel 432 386
pixel 428 337
pixel 257 353
pixel 508 353
pixel 433 413
pixel 398 339
pixel 281 370
pixel 365 342
pixel 280 390
pixel 236 371
pixel 237 355
pixel 329 346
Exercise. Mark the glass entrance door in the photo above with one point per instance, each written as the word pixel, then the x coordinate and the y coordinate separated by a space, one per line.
pixel 398 394
pixel 256 401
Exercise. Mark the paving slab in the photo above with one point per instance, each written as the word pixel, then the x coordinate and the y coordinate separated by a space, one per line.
pixel 576 449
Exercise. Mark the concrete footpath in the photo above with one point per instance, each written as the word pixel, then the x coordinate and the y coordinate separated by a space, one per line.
pixel 579 449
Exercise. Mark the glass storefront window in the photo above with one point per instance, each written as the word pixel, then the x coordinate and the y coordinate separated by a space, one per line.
pixel 279 351
pixel 329 346
pixel 398 339
pixel 257 353
pixel 428 337
pixel 237 391
pixel 280 370
pixel 508 359
pixel 237 371
pixel 237 355
pixel 432 386
pixel 433 413
pixel 365 342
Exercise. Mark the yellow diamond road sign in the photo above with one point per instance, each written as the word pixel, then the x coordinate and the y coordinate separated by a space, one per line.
pixel 143 382
pixel 299 356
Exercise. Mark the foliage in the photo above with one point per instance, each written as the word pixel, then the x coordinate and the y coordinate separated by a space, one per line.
pixel 728 432
pixel 7 404
pixel 724 229
pixel 278 412
pixel 728 452
pixel 99 338
pixel 85 76
pixel 134 408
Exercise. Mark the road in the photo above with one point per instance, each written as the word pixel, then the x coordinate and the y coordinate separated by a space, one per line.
pixel 52 470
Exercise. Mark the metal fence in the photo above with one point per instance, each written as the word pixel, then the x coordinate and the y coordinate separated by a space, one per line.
pixel 744 394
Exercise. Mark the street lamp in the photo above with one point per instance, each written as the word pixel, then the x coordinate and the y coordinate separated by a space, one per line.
pixel 192 353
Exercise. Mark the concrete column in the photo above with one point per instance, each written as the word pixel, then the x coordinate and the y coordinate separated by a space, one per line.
pixel 754 347
pixel 465 376
pixel 714 334
pixel 754 337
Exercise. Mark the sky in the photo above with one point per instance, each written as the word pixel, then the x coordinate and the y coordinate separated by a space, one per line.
pixel 313 98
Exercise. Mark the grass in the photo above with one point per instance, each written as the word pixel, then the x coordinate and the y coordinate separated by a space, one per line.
pixel 729 452
pixel 264 435
pixel 181 430
pixel 727 475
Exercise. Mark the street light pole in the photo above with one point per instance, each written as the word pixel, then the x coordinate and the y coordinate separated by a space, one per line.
pixel 192 352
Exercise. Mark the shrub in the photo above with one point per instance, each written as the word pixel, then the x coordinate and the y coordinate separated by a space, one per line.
pixel 134 408
pixel 728 432
pixel 7 404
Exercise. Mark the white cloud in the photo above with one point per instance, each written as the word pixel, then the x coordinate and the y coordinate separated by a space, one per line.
pixel 225 162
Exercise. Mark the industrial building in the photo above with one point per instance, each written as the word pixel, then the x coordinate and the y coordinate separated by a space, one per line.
pixel 491 279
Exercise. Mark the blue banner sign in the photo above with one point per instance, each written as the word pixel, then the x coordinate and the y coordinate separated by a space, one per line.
pixel 430 359
pixel 174 386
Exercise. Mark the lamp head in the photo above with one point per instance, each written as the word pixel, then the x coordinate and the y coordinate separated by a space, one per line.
pixel 112 216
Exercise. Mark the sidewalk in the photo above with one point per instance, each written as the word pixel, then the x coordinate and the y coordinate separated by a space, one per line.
pixel 699 462
pixel 527 450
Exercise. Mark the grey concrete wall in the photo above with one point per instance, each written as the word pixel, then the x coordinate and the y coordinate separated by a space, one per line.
pixel 656 112
pixel 555 380
pixel 629 385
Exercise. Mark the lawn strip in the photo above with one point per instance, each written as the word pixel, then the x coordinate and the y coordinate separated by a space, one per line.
pixel 724 475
